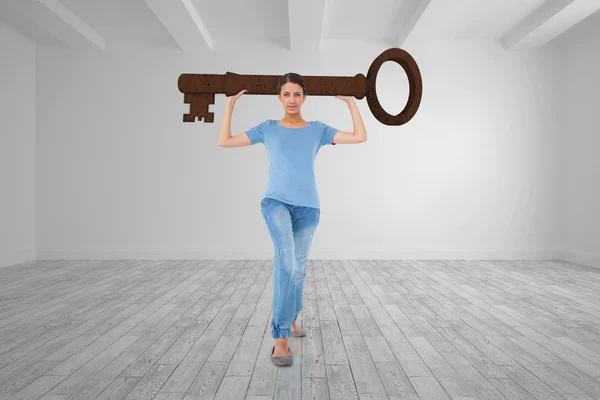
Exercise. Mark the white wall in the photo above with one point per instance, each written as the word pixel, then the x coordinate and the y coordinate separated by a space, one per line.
pixel 473 175
pixel 580 140
pixel 17 147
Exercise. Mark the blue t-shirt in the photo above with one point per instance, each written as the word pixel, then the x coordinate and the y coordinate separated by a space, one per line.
pixel 291 154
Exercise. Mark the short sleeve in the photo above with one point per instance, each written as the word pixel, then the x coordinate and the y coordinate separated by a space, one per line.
pixel 327 134
pixel 256 133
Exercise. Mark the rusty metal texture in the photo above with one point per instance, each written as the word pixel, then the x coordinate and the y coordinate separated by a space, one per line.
pixel 200 89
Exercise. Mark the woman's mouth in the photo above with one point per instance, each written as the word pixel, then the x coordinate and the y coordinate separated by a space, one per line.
pixel 292 107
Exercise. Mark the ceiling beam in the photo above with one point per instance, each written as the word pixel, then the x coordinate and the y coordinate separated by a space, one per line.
pixel 411 26
pixel 429 19
pixel 181 19
pixel 306 24
pixel 550 20
pixel 60 22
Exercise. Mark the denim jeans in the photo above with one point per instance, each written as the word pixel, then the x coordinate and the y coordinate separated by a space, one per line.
pixel 291 229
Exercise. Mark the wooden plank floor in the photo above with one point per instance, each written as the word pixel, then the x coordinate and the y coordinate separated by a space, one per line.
pixel 174 330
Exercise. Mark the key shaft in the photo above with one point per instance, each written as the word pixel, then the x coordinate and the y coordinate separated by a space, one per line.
pixel 231 84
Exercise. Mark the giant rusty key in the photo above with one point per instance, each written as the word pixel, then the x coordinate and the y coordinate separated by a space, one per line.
pixel 200 89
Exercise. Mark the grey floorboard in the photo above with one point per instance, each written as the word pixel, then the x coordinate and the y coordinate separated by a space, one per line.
pixel 376 329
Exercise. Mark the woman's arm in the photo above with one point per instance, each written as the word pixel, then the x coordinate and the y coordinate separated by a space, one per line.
pixel 359 132
pixel 225 138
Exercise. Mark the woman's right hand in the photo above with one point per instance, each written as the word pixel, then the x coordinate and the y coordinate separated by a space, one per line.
pixel 233 99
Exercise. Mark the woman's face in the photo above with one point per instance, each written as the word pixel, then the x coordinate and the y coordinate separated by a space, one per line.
pixel 291 97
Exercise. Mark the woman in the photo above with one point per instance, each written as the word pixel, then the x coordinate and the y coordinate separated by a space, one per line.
pixel 290 202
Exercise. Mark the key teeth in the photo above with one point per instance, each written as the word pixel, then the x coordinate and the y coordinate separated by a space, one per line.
pixel 210 117
pixel 199 103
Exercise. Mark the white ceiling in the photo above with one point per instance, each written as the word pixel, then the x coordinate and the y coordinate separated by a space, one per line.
pixel 209 25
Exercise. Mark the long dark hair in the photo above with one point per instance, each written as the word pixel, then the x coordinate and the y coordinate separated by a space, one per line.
pixel 294 78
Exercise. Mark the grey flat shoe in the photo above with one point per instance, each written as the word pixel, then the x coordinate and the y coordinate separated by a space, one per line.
pixel 298 333
pixel 281 361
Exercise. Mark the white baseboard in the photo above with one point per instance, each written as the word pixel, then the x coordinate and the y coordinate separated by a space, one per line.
pixel 316 254
pixel 17 257
pixel 589 260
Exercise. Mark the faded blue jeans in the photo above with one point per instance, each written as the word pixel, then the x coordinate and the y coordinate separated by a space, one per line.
pixel 291 229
